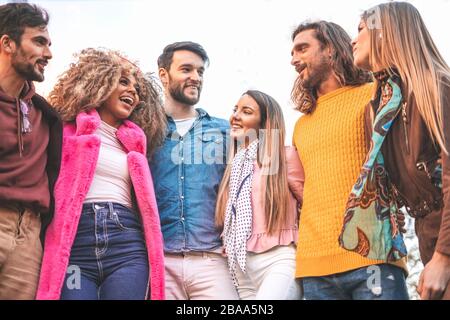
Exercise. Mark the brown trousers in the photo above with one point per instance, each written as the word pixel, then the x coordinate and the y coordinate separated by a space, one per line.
pixel 20 253
pixel 427 230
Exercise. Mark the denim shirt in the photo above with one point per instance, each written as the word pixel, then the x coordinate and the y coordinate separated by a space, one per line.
pixel 187 171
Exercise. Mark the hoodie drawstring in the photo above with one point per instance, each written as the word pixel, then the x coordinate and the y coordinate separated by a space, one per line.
pixel 19 129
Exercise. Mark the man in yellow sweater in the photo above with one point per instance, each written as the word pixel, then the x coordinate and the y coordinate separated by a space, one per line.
pixel 330 139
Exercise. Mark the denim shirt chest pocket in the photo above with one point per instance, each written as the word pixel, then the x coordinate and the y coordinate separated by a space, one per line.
pixel 163 166
pixel 208 152
pixel 212 148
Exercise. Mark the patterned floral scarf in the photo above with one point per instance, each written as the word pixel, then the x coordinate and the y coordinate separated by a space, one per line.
pixel 371 217
pixel 239 213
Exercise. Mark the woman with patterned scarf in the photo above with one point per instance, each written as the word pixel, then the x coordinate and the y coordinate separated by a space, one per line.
pixel 408 164
pixel 258 202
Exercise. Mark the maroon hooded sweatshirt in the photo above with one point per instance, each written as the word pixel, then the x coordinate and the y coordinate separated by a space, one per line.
pixel 29 162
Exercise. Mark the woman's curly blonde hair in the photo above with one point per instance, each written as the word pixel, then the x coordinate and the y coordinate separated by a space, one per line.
pixel 89 82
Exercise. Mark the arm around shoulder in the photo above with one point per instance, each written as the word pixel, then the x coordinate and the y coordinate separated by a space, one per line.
pixel 295 173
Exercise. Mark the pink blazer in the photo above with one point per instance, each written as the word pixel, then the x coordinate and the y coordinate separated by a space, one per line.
pixel 259 240
pixel 80 152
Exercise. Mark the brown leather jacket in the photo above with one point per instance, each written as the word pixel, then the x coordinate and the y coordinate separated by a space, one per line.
pixel 410 158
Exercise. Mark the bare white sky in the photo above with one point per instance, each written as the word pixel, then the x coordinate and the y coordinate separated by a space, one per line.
pixel 248 41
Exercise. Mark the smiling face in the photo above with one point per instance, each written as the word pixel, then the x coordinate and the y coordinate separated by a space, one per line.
pixel 245 121
pixel 30 57
pixel 310 59
pixel 122 101
pixel 184 79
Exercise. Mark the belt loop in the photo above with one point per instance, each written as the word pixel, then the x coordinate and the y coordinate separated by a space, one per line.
pixel 111 209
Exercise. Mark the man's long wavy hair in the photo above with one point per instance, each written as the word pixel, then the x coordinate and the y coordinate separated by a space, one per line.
pixel 330 35
pixel 399 39
pixel 271 160
pixel 89 82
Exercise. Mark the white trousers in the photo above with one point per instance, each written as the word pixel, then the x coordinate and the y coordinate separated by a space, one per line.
pixel 198 276
pixel 269 275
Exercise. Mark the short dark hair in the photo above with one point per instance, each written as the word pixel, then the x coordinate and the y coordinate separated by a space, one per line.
pixel 15 17
pixel 165 59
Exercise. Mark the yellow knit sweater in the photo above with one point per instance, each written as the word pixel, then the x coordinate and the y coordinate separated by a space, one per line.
pixel 332 148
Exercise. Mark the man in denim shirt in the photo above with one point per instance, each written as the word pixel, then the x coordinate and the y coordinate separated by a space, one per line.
pixel 187 171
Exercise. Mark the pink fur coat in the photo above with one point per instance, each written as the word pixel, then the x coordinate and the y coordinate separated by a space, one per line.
pixel 79 158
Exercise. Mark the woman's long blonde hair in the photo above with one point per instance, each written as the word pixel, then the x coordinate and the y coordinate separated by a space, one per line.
pixel 272 160
pixel 400 40
pixel 89 82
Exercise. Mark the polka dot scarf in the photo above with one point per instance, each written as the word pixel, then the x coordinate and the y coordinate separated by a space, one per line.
pixel 238 214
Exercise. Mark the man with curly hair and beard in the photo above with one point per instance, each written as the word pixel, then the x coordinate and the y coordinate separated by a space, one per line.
pixel 105 240
pixel 188 169
pixel 330 139
pixel 30 147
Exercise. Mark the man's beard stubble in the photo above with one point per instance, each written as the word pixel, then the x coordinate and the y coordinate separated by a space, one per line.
pixel 318 73
pixel 177 94
pixel 24 68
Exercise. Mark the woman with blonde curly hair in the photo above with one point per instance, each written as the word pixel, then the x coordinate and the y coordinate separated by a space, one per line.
pixel 105 240
pixel 408 163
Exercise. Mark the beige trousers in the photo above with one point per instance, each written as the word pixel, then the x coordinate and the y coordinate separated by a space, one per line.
pixel 20 253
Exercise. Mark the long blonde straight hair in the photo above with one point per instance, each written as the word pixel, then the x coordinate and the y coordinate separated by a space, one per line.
pixel 400 40
pixel 272 160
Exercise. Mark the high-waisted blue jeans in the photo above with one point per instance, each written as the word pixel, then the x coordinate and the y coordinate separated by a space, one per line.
pixel 109 257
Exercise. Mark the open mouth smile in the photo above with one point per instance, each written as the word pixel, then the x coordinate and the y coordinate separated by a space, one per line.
pixel 128 100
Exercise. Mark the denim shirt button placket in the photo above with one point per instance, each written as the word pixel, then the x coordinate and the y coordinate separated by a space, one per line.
pixel 199 217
